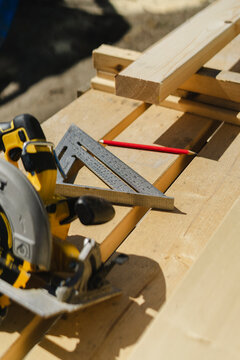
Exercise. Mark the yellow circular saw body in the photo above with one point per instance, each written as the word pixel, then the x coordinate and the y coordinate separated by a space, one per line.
pixel 25 238
pixel 17 279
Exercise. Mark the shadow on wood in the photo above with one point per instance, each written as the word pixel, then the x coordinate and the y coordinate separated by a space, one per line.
pixel 144 291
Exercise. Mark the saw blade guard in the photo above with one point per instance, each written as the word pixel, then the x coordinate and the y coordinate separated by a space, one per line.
pixel 27 217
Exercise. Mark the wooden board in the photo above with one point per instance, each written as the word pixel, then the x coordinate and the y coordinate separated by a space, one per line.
pixel 141 270
pixel 199 108
pixel 203 193
pixel 90 323
pixel 117 114
pixel 204 197
pixel 201 319
pixel 114 115
pixel 224 84
pixel 107 60
pixel 197 105
pixel 171 61
pixel 113 59
pixel 220 84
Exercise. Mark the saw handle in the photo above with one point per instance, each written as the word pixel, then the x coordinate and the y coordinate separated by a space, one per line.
pixel 39 161
pixel 93 210
pixel 15 133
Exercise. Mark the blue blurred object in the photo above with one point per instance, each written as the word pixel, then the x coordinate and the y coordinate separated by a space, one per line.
pixel 7 11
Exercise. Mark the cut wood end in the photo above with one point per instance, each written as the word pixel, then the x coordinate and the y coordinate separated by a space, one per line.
pixel 138 89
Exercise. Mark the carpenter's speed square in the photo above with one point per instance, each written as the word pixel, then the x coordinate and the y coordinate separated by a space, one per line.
pixel 126 186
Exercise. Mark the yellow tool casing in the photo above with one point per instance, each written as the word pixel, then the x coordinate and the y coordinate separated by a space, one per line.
pixel 23 138
pixel 38 161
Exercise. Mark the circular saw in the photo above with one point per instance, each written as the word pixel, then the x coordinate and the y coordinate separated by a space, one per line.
pixel 39 268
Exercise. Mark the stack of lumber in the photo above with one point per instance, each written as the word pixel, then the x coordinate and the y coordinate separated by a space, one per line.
pixel 180 287
pixel 180 54
pixel 210 92
pixel 172 62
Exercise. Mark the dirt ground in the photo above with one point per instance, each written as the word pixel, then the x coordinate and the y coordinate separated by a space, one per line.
pixel 46 57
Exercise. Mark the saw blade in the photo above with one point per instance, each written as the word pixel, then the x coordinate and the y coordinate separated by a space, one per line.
pixel 17 277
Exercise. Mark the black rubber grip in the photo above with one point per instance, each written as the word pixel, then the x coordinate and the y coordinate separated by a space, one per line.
pixel 92 210
pixel 26 121
pixel 31 125
pixel 38 162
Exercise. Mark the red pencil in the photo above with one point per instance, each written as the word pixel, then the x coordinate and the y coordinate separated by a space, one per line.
pixel 147 147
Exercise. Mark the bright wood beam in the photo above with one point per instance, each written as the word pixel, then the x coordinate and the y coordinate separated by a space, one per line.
pixel 110 60
pixel 172 60
pixel 201 320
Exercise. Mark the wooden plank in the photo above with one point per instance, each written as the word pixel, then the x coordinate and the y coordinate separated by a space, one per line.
pixel 220 84
pixel 225 84
pixel 182 104
pixel 204 192
pixel 199 108
pixel 172 60
pixel 117 113
pixel 208 81
pixel 112 59
pixel 103 84
pixel 160 170
pixel 94 325
pixel 201 320
pixel 227 58
pixel 206 99
pixel 30 336
pixel 114 114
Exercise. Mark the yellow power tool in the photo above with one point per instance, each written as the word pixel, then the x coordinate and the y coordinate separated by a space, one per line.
pixel 34 224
